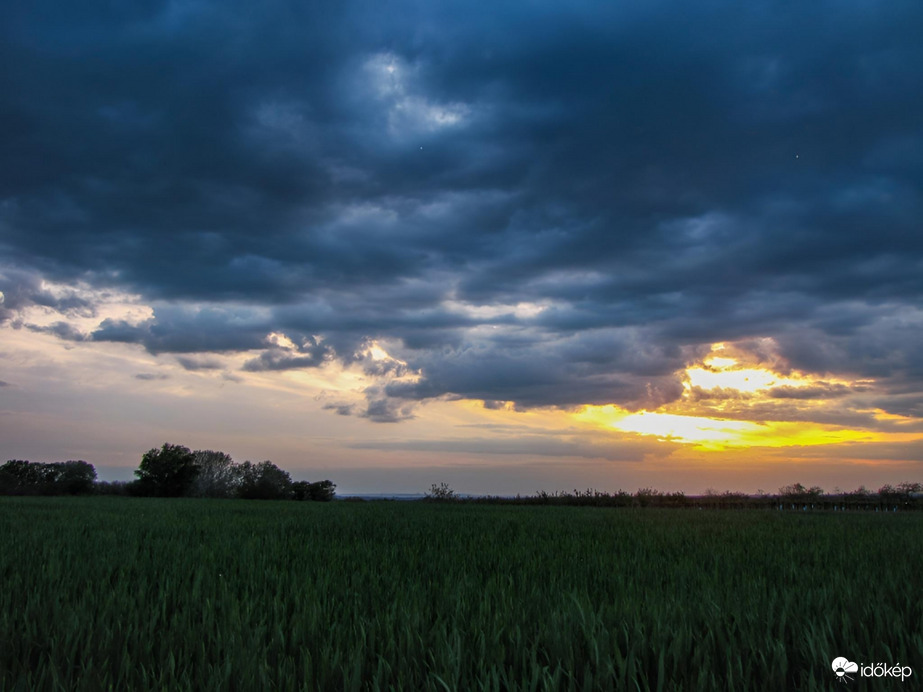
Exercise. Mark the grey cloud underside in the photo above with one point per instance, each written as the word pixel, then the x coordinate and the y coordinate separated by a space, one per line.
pixel 149 376
pixel 199 363
pixel 377 409
pixel 21 288
pixel 658 178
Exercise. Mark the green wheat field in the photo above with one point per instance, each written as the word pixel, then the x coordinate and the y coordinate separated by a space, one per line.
pixel 158 594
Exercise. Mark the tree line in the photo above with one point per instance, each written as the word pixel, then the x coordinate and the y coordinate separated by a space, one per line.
pixel 170 471
pixel 19 477
pixel 903 496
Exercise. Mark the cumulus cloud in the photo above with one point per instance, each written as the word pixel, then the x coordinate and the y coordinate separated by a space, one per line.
pixel 21 289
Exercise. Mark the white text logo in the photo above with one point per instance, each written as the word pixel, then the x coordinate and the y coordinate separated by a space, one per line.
pixel 845 669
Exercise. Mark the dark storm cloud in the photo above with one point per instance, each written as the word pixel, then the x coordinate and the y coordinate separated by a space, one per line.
pixel 568 371
pixel 190 330
pixel 642 180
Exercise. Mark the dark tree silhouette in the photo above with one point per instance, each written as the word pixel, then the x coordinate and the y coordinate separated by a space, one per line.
pixel 73 477
pixel 166 472
pixel 264 481
pixel 799 493
pixel 218 475
pixel 441 493
pixel 320 491
pixel 19 477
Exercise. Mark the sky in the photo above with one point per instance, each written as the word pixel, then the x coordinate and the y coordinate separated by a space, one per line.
pixel 514 246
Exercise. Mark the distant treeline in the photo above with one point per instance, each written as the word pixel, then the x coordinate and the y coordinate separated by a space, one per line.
pixel 176 471
pixel 171 471
pixel 904 496
pixel 19 477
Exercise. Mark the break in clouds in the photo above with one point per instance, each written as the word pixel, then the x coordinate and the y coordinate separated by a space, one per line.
pixel 530 204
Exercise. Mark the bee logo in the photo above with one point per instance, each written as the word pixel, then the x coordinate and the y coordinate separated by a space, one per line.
pixel 842 667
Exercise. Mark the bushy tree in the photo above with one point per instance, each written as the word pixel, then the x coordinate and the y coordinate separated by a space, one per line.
pixel 166 472
pixel 906 489
pixel 218 475
pixel 18 477
pixel 860 493
pixel 441 493
pixel 646 496
pixel 73 477
pixel 111 487
pixel 264 481
pixel 799 493
pixel 319 491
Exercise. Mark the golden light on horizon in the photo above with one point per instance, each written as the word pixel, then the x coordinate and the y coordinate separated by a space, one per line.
pixel 704 432
pixel 692 419
pixel 717 434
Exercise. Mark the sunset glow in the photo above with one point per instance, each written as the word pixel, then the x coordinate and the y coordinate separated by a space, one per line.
pixel 744 380
pixel 714 434
pixel 749 387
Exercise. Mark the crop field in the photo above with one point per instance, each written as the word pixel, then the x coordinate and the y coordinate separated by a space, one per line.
pixel 144 594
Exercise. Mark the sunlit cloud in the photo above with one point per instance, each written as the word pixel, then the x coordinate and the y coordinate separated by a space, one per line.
pixel 718 371
pixel 754 389
pixel 409 111
pixel 523 310
pixel 743 380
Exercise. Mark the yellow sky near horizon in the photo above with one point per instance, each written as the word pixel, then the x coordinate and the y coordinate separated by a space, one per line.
pixel 731 401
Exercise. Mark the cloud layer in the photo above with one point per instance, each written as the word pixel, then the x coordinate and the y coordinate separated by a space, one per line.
pixel 544 204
